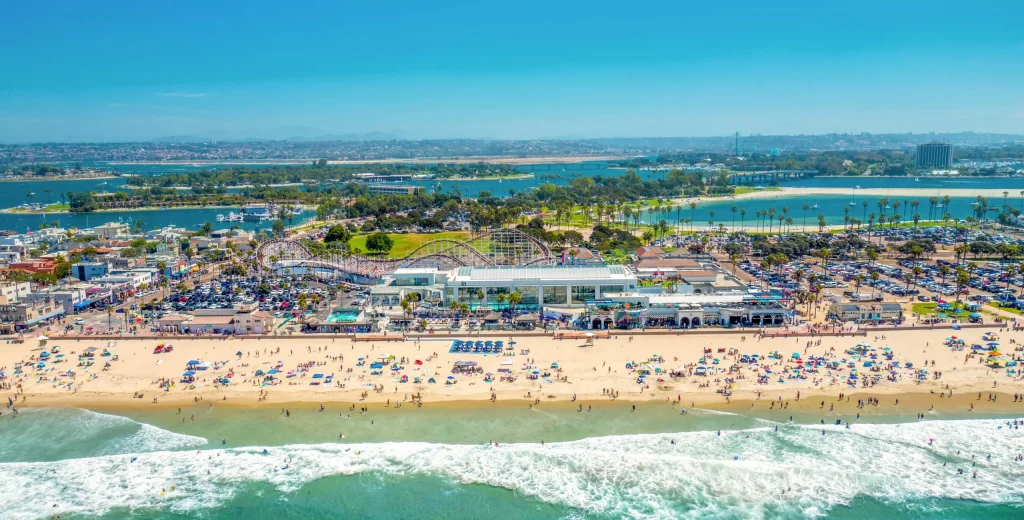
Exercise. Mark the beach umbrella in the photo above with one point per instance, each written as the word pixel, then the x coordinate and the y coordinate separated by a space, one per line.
pixel 796 355
pixel 318 376
pixel 418 362
pixel 192 362
pixel 189 373
pixel 452 378
pixel 273 371
pixel 993 344
pixel 554 365
pixel 44 355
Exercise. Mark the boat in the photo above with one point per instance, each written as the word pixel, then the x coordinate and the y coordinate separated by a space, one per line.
pixel 917 179
pixel 814 206
pixel 221 218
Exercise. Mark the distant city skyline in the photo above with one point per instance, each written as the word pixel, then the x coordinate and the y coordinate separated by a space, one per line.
pixel 118 71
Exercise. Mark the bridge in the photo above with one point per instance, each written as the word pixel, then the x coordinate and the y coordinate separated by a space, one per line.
pixel 495 248
pixel 766 177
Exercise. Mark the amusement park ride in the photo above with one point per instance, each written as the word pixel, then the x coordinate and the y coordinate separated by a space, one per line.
pixel 494 248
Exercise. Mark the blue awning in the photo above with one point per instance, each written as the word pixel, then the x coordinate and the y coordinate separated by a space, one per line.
pixel 45 316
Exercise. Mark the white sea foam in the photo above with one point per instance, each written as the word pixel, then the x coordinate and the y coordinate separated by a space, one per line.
pixel 753 473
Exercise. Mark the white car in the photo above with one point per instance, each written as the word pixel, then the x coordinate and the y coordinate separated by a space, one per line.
pixel 79 321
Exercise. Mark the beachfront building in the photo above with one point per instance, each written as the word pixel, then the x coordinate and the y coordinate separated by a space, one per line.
pixel 16 317
pixel 866 312
pixel 242 318
pixel 426 283
pixel 684 311
pixel 565 286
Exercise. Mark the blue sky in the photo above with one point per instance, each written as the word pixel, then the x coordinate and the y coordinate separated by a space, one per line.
pixel 129 70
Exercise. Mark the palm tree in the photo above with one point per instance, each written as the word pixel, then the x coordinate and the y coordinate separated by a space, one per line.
pixel 480 297
pixel 806 207
pixel 962 279
pixel 771 218
pixel 743 214
pixel 693 208
pixel 734 209
pixel 864 203
pixel 514 298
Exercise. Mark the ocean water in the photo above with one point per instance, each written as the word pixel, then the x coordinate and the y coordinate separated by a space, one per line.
pixel 432 463
pixel 15 193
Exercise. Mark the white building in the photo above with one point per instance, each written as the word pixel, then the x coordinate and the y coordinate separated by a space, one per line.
pixel 561 286
pixel 11 292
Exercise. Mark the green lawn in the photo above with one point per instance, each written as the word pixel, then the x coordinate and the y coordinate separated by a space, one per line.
pixel 407 243
pixel 740 190
pixel 929 308
pixel 926 309
pixel 57 206
pixel 1011 310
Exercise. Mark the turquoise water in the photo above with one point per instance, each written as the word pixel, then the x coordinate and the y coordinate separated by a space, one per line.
pixel 183 218
pixel 437 462
pixel 341 317
pixel 831 206
pixel 15 193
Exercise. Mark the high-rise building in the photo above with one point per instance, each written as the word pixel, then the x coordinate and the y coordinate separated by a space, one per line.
pixel 935 155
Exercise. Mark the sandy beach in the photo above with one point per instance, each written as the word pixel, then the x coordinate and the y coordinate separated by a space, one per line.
pixel 871 192
pixel 583 373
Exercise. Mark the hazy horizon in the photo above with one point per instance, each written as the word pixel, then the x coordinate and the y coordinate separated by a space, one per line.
pixel 118 72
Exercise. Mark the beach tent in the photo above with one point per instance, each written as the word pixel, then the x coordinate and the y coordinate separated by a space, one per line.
pixel 318 376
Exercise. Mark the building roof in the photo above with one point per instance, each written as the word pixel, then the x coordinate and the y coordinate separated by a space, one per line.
pixel 262 314
pixel 678 263
pixel 212 320
pixel 541 273
pixel 580 252
pixel 175 317
pixel 649 252
pixel 697 274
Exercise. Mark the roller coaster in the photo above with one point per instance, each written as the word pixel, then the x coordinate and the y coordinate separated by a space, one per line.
pixel 494 248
